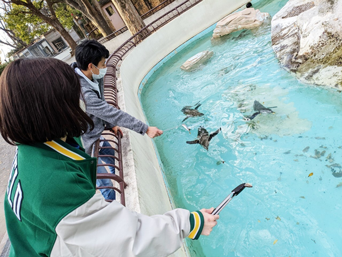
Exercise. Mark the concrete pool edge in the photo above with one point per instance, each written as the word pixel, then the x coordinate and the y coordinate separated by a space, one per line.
pixel 150 194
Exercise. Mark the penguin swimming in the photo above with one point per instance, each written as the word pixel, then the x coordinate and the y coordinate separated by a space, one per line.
pixel 189 112
pixel 259 108
pixel 203 137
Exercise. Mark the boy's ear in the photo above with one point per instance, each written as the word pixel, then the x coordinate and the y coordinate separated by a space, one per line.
pixel 90 66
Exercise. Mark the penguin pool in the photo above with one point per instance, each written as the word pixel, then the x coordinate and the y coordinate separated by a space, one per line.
pixel 292 157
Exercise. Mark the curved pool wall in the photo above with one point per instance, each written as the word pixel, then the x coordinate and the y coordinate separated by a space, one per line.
pixel 148 181
pixel 294 207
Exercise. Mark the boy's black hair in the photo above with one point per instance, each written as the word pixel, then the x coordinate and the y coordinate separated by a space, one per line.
pixel 40 101
pixel 249 5
pixel 90 51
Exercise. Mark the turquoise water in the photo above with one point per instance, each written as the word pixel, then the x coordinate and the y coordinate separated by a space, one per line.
pixel 289 211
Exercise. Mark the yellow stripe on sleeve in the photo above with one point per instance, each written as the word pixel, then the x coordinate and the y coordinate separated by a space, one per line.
pixel 62 150
pixel 197 225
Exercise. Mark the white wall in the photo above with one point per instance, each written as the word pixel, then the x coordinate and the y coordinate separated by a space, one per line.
pixel 153 196
pixel 74 35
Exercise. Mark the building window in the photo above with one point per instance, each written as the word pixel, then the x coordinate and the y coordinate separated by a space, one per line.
pixel 110 10
pixel 27 54
pixel 59 44
pixel 37 52
pixel 47 51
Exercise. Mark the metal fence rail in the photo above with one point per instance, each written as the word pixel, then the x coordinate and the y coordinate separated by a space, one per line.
pixel 113 35
pixel 110 90
pixel 115 142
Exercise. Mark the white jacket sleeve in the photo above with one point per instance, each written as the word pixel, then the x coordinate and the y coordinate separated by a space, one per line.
pixel 99 228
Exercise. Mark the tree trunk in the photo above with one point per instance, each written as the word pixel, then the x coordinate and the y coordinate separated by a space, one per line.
pixel 129 15
pixel 148 4
pixel 51 20
pixel 99 10
pixel 55 23
pixel 92 14
pixel 100 21
pixel 141 6
pixel 80 27
pixel 65 34
pixel 157 2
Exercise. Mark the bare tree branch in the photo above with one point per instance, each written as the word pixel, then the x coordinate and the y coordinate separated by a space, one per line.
pixel 79 6
pixel 7 43
pixel 16 13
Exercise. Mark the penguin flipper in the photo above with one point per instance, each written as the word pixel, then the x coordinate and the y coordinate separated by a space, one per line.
pixel 187 117
pixel 198 105
pixel 254 115
pixel 193 142
pixel 214 134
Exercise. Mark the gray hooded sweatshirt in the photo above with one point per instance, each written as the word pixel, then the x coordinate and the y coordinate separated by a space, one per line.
pixel 103 114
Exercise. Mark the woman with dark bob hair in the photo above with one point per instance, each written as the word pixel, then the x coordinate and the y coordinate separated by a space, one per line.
pixel 51 204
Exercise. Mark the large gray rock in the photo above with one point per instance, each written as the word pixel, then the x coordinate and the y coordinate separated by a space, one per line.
pixel 246 19
pixel 307 39
pixel 196 60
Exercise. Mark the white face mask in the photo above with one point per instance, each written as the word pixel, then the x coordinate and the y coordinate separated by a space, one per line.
pixel 101 74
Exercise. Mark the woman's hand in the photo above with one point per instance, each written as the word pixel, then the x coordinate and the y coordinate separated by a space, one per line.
pixel 209 221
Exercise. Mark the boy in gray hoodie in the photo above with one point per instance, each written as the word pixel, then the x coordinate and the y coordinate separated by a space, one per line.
pixel 91 67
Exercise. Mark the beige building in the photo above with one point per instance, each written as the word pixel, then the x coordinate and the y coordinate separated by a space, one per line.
pixel 111 12
pixel 49 44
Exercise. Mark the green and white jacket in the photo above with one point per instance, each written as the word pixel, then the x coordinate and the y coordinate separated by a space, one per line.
pixel 52 209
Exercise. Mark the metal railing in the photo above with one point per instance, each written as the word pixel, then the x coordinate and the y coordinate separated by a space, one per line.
pixel 115 142
pixel 113 35
pixel 110 88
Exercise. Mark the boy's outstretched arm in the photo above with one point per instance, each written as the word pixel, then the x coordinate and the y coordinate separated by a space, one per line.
pixel 115 117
